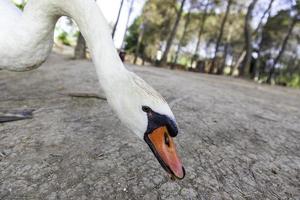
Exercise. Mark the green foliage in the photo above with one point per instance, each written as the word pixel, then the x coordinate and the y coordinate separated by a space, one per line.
pixel 156 19
pixel 21 5
pixel 133 34
pixel 275 29
pixel 290 81
pixel 63 38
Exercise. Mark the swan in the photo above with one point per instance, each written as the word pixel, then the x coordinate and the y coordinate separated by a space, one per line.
pixel 26 40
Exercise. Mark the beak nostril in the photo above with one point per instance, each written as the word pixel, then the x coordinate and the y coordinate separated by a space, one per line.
pixel 167 139
pixel 146 109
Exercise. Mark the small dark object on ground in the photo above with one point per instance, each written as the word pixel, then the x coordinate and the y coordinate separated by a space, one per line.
pixel 122 55
pixel 85 95
pixel 10 116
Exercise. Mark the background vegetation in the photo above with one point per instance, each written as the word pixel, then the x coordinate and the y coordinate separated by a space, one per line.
pixel 256 39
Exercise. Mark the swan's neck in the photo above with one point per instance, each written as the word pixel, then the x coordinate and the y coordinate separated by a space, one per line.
pixel 30 39
pixel 35 35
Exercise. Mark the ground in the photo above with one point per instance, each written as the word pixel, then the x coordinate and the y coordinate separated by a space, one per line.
pixel 237 140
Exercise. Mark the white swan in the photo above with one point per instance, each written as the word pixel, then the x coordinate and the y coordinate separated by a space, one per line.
pixel 26 40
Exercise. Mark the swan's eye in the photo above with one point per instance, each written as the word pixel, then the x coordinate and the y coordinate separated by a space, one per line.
pixel 167 140
pixel 146 109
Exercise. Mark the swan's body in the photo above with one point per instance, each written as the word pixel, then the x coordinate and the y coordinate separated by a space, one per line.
pixel 26 40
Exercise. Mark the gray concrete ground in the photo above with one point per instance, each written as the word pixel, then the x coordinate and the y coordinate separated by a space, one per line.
pixel 238 140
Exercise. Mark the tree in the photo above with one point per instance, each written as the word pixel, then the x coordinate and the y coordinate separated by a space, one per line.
pixel 131 39
pixel 180 43
pixel 128 18
pixel 172 35
pixel 259 31
pixel 262 18
pixel 156 20
pixel 117 21
pixel 212 68
pixel 80 49
pixel 227 44
pixel 295 19
pixel 248 39
pixel 200 32
pixel 139 43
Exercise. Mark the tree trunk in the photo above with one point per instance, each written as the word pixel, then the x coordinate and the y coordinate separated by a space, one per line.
pixel 80 49
pixel 258 68
pixel 163 61
pixel 232 65
pixel 212 67
pixel 242 55
pixel 187 22
pixel 203 19
pixel 239 60
pixel 221 69
pixel 117 21
pixel 127 22
pixel 228 40
pixel 143 58
pixel 248 40
pixel 138 46
pixel 282 49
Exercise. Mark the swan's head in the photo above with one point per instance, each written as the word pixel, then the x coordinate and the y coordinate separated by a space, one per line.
pixel 149 116
pixel 159 136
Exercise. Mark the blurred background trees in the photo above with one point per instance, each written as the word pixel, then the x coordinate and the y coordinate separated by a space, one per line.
pixel 254 39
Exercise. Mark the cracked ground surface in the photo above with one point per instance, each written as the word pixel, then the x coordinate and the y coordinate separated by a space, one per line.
pixel 238 140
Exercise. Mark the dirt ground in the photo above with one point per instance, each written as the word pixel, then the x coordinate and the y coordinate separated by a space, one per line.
pixel 238 139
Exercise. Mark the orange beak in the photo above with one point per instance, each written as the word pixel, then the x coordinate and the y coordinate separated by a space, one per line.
pixel 163 147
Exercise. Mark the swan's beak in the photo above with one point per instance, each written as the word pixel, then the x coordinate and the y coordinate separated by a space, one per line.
pixel 163 147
